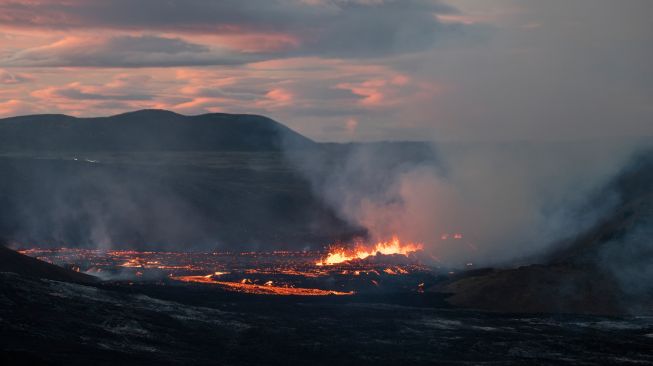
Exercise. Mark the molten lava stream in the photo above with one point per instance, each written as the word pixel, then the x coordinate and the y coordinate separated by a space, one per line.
pixel 267 289
pixel 391 247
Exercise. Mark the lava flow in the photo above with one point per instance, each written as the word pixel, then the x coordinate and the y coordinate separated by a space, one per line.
pixel 392 247
pixel 268 288
pixel 299 273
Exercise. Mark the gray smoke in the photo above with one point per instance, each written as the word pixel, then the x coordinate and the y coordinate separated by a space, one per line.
pixel 508 201
pixel 629 260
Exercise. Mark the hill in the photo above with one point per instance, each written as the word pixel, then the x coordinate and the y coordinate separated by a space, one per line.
pixel 147 130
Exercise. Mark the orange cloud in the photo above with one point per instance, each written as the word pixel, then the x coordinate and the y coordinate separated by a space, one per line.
pixel 251 42
pixel 199 105
pixel 277 98
pixel 371 91
pixel 15 107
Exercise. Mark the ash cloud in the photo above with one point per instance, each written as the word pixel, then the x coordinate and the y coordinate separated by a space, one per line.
pixel 626 248
pixel 629 260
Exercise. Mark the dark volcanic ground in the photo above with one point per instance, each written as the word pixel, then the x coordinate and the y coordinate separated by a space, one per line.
pixel 49 322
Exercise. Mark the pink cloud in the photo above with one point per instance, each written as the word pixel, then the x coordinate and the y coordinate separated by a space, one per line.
pixel 118 89
pixel 121 92
pixel 198 105
pixel 280 96
pixel 277 98
pixel 370 91
pixel 247 41
pixel 14 107
pixel 302 92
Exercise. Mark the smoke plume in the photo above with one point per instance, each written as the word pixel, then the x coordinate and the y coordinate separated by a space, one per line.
pixel 482 203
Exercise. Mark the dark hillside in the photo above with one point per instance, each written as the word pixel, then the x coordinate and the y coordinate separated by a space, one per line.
pixel 147 130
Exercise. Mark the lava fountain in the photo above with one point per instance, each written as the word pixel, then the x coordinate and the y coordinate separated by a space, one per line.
pixel 394 246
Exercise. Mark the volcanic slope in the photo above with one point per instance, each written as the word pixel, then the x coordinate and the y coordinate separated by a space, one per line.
pixel 147 130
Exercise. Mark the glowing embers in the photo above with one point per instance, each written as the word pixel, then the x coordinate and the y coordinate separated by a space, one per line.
pixel 246 286
pixel 392 247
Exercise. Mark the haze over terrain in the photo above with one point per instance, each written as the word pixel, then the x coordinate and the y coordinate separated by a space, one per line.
pixel 158 180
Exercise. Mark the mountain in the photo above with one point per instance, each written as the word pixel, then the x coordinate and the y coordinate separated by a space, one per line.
pixel 14 262
pixel 604 270
pixel 147 130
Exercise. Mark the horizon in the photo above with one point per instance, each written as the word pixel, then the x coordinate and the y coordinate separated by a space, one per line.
pixel 639 138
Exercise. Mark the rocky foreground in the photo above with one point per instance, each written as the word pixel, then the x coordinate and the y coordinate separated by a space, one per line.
pixel 52 323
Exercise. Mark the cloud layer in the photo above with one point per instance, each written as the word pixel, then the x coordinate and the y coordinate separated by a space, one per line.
pixel 347 28
pixel 342 69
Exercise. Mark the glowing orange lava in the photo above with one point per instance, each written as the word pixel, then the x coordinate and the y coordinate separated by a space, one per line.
pixel 393 246
pixel 246 286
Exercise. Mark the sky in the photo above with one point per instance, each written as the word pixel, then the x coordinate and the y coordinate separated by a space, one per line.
pixel 342 70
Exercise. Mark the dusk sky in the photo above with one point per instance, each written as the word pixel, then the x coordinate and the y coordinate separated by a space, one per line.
pixel 342 70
